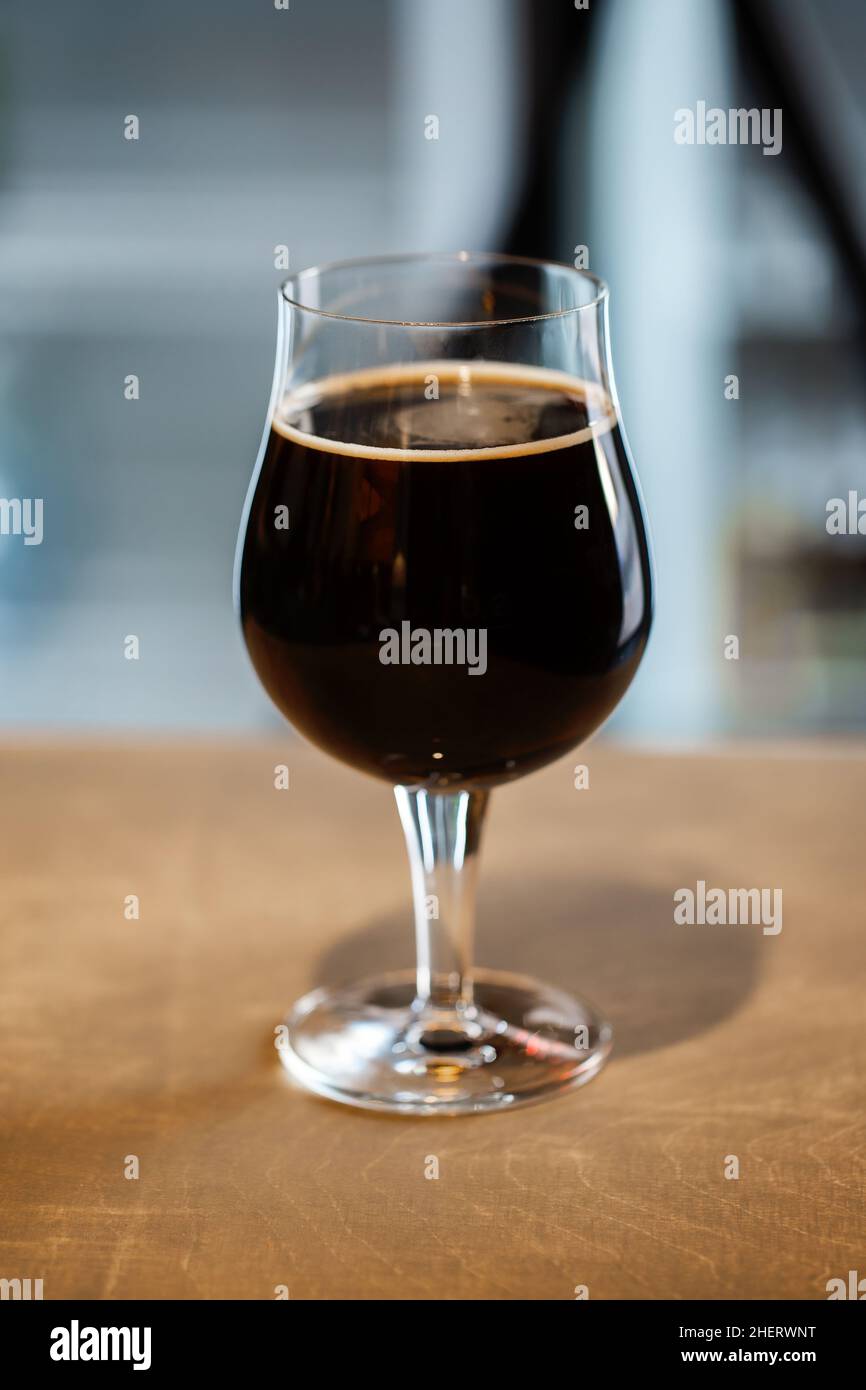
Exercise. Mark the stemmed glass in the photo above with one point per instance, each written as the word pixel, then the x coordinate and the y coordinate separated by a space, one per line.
pixel 443 579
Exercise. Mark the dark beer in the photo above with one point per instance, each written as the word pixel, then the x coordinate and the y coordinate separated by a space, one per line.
pixel 493 506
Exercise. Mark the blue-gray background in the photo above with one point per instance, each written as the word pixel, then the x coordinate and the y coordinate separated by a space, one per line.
pixel 306 127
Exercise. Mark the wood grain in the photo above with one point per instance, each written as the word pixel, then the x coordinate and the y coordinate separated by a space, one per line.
pixel 155 1037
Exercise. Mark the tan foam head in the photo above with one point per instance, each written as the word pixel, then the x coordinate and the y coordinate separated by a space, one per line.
pixel 599 407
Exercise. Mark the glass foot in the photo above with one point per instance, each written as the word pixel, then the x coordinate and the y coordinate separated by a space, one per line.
pixel 369 1045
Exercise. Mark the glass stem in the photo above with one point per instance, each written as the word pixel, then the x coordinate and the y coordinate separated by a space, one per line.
pixel 443 832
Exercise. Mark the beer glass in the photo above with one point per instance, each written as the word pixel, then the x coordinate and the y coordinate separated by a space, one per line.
pixel 443 579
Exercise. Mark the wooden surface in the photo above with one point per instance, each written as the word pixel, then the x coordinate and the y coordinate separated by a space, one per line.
pixel 155 1037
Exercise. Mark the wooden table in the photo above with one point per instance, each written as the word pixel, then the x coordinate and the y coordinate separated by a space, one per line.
pixel 154 1037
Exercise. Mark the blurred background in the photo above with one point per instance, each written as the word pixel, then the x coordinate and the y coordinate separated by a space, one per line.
pixel 304 127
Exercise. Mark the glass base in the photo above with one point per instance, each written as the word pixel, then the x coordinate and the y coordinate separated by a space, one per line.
pixel 369 1045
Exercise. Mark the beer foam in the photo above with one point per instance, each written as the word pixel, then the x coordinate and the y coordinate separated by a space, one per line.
pixel 599 407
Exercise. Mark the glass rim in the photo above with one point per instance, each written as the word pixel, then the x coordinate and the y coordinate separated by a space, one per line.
pixel 295 282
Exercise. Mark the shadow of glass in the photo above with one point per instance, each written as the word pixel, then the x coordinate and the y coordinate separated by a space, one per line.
pixel 658 983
